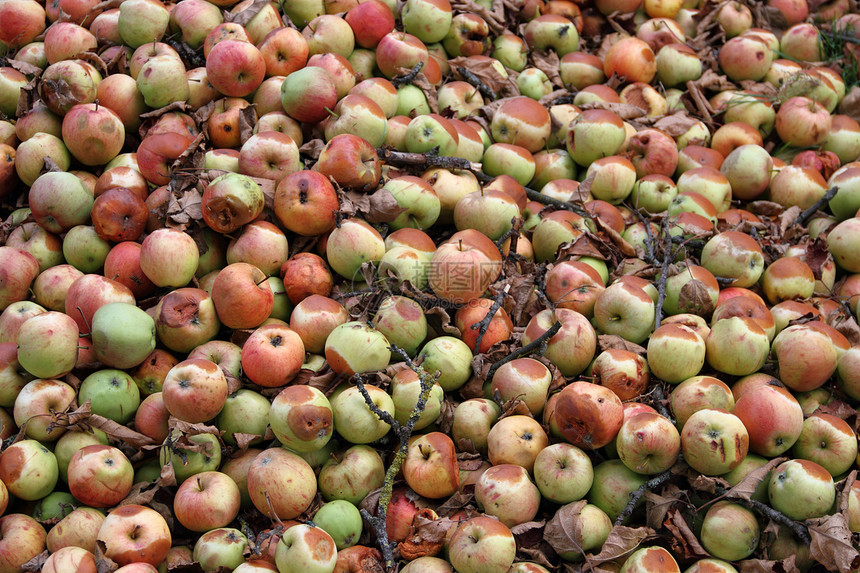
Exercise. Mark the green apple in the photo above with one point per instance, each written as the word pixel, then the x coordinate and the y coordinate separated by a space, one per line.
pixel 202 454
pixel 730 531
pixel 112 394
pixel 244 412
pixel 29 470
pixel 340 519
pixel 55 505
pixel 301 418
pixel 801 489
pixel 142 21
pixel 222 547
pixel 451 358
pixel 123 334
pixel 157 81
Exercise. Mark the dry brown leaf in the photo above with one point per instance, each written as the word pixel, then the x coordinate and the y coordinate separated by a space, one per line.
pixel 515 407
pixel 695 298
pixel 483 69
pixel 747 486
pixel 548 63
pixel 564 531
pixel 613 341
pixel 244 16
pixel 684 541
pixel 119 432
pixel 658 505
pixel 831 543
pixel 312 148
pixel 142 493
pixel 836 408
pixel 167 478
pixel 676 124
pixel 787 218
pixel 457 502
pixel 850 104
pixel 765 566
pixel 711 80
pixel 35 564
pixel 529 534
pixel 104 564
pixel 625 111
pixel 622 541
pixel 709 484
pixel 26 68
pixel 847 326
pixel 184 208
pixel 439 319
pixel 243 441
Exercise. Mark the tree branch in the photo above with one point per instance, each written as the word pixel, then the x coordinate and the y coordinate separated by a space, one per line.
pixel 799 529
pixel 808 213
pixel 636 495
pixel 425 160
pixel 538 344
pixel 484 324
pixel 403 432
pixel 476 82
pixel 408 78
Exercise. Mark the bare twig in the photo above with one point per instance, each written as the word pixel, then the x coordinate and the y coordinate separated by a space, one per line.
pixel 660 403
pixel 547 200
pixel 408 78
pixel 402 158
pixel 469 77
pixel 808 213
pixel 425 160
pixel 650 256
pixel 799 529
pixel 403 432
pixel 636 495
pixel 538 344
pixel 484 324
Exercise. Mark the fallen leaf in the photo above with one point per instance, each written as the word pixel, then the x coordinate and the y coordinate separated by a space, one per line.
pixel 244 16
pixel 622 541
pixel 676 124
pixel 658 505
pixel 766 566
pixel 683 539
pixel 119 432
pixel 695 298
pixel 747 486
pixel 850 104
pixel 104 564
pixel 831 543
pixel 613 341
pixel 35 564
pixel 548 62
pixel 564 531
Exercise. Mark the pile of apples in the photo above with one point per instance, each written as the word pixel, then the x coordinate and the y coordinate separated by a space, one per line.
pixel 217 217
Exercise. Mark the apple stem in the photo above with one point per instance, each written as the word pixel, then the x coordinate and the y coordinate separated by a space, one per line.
pixel 86 322
pixel 331 112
